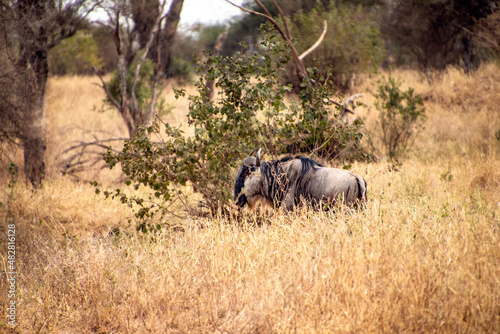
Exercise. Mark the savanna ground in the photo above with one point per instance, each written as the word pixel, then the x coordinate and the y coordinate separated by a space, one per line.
pixel 423 257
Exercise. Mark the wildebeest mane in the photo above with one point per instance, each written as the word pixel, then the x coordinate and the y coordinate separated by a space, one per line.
pixel 278 182
pixel 307 164
pixel 277 186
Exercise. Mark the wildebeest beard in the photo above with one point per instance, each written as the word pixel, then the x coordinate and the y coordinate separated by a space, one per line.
pixel 275 178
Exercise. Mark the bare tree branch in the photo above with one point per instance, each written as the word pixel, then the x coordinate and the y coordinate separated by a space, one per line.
pixel 134 110
pixel 315 45
pixel 287 29
pixel 268 17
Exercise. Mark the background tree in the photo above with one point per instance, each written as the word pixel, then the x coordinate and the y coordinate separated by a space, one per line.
pixel 144 13
pixel 135 83
pixel 351 45
pixel 120 26
pixel 435 33
pixel 29 29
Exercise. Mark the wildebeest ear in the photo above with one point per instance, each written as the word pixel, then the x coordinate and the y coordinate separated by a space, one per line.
pixel 249 162
pixel 257 158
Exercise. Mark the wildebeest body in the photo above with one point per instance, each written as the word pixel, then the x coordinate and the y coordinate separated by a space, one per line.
pixel 327 185
pixel 289 181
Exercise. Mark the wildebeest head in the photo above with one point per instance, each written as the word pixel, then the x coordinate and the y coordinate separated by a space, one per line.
pixel 268 182
pixel 248 170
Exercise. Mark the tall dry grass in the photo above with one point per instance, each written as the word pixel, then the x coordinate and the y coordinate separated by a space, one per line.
pixel 423 257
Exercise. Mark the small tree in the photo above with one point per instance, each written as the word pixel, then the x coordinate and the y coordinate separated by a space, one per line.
pixel 138 32
pixel 402 114
pixel 129 74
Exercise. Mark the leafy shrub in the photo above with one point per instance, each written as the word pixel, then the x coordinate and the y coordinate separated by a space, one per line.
pixel 249 112
pixel 402 114
pixel 75 55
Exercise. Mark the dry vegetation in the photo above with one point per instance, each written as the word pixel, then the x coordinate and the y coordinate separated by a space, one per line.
pixel 423 257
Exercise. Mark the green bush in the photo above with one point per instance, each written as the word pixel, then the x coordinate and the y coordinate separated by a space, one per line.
pixel 402 114
pixel 248 112
pixel 181 68
pixel 75 55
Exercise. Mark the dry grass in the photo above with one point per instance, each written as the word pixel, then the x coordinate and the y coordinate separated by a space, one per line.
pixel 423 257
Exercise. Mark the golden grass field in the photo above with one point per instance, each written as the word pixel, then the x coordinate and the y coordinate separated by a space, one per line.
pixel 423 257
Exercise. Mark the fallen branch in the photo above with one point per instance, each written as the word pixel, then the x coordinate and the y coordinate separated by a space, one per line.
pixel 84 155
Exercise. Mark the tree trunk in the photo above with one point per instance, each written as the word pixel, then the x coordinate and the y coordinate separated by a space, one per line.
pixel 144 13
pixel 124 102
pixel 173 17
pixel 34 160
pixel 468 57
pixel 33 138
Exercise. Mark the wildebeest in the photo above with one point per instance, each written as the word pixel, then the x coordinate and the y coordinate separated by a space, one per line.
pixel 289 181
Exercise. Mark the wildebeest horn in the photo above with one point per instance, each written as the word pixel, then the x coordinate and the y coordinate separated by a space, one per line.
pixel 257 158
pixel 252 153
